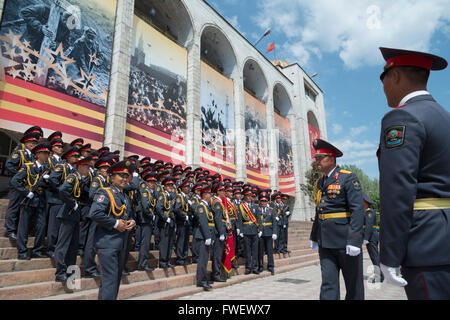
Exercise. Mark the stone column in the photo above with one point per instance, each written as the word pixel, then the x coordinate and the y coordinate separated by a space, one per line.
pixel 239 126
pixel 2 4
pixel 116 110
pixel 193 116
pixel 273 137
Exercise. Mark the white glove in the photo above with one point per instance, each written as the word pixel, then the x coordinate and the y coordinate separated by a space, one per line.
pixel 314 245
pixel 274 236
pixel 278 219
pixel 260 234
pixel 391 275
pixel 190 202
pixel 187 218
pixel 30 195
pixel 238 231
pixel 46 176
pixel 284 226
pixel 208 242
pixel 135 174
pixel 242 235
pixel 154 217
pixel 222 237
pixel 288 213
pixel 168 220
pixel 76 207
pixel 352 250
pixel 365 242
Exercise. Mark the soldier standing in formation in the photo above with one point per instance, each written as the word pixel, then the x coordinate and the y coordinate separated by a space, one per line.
pixel 269 232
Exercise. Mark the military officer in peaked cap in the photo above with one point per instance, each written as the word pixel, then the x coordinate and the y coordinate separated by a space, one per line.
pixel 414 173
pixel 77 143
pixel 111 210
pixel 337 231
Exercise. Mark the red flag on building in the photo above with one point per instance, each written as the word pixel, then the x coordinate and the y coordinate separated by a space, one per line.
pixel 271 47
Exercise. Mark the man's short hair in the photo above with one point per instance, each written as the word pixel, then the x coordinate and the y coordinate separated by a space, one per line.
pixel 415 75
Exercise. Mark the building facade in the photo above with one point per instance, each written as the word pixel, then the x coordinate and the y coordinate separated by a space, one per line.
pixel 170 79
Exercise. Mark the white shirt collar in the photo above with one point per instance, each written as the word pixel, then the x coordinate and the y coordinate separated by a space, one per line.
pixel 205 202
pixel 56 157
pixel 413 95
pixel 38 164
pixel 69 166
pixel 331 172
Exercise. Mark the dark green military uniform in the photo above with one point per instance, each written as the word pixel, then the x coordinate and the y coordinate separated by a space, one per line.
pixel 204 231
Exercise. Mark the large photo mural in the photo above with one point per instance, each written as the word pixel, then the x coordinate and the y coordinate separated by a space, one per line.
pixel 55 64
pixel 285 155
pixel 156 115
pixel 256 142
pixel 217 111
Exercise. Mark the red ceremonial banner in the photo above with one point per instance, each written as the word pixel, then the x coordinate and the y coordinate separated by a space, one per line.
pixel 228 253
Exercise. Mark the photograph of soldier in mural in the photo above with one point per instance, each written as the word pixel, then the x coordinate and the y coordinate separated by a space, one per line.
pixel 216 134
pixel 60 45
pixel 256 140
pixel 157 97
pixel 285 162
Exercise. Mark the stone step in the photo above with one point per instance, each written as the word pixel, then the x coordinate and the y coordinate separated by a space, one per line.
pixel 11 251
pixel 14 278
pixel 140 288
pixel 176 293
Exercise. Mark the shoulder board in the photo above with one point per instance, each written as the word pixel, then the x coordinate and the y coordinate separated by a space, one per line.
pixel 345 171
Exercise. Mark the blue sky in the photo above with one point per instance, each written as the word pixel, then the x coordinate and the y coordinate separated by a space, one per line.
pixel 339 40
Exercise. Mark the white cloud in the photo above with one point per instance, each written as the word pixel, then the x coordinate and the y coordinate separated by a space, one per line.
pixel 354 29
pixel 358 130
pixel 336 128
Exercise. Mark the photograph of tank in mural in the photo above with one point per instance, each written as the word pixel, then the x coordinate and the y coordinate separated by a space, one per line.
pixel 63 45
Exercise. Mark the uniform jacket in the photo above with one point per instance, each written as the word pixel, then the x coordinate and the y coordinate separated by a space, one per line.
pixel 414 163
pixel 70 192
pixel 57 177
pixel 268 221
pixel 248 227
pixel 206 227
pixel 102 213
pixel 164 208
pixel 181 209
pixel 340 193
pixel 27 178
pixel 148 203
pixel 17 159
pixel 370 220
pixel 219 212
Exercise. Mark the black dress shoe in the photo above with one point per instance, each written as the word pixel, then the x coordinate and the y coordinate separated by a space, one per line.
pixel 38 255
pixel 255 271
pixel 169 265
pixel 11 236
pixel 219 279
pixel 180 263
pixel 125 272
pixel 61 278
pixel 272 272
pixel 163 266
pixel 23 257
pixel 146 268
pixel 94 275
pixel 80 252
pixel 247 272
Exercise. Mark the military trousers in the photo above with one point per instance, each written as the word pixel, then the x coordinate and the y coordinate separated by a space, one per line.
pixel 266 246
pixel 13 211
pixel 182 242
pixel 144 247
pixel 26 215
pixel 332 261
pixel 202 263
pixel 67 245
pixel 85 223
pixel 53 227
pixel 167 234
pixel 251 252
pixel 111 265
pixel 427 283
pixel 90 266
pixel 217 254
pixel 195 246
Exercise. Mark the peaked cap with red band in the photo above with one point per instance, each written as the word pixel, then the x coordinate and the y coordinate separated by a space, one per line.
pixel 43 147
pixel 30 137
pixel 71 152
pixel 84 161
pixel 122 167
pixel 324 148
pixel 398 57
pixel 35 129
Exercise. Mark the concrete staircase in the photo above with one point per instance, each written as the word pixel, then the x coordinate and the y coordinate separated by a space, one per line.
pixel 34 279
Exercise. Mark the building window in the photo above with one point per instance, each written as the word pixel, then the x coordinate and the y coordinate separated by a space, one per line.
pixel 310 93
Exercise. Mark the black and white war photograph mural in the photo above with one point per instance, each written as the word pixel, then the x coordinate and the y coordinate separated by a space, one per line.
pixel 63 45
pixel 157 89
pixel 217 110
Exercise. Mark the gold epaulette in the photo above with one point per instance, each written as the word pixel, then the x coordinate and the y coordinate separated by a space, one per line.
pixel 345 171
